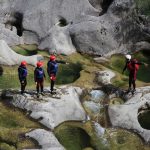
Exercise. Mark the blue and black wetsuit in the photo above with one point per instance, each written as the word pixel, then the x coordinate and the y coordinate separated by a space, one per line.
pixel 39 76
pixel 22 74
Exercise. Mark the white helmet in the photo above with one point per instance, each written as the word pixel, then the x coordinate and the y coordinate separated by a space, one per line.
pixel 128 57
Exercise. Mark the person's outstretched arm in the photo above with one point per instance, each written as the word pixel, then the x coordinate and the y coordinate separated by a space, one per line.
pixel 61 62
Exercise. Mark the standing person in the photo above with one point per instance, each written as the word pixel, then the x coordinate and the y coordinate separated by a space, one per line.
pixel 52 68
pixel 39 76
pixel 22 74
pixel 132 65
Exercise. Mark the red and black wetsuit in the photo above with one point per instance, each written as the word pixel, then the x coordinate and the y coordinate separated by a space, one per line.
pixel 132 66
pixel 22 74
pixel 39 76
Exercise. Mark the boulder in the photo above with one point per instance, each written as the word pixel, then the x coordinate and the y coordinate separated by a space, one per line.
pixel 104 77
pixel 60 41
pixel 45 139
pixel 9 57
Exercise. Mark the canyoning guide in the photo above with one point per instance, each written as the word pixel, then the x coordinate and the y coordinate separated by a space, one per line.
pixel 52 68
pixel 133 66
pixel 22 74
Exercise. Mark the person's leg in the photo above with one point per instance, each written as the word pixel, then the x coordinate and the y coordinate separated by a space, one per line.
pixel 42 85
pixel 37 87
pixel 52 85
pixel 130 82
pixel 134 84
pixel 23 85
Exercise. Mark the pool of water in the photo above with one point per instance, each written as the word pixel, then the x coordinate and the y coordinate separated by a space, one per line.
pixel 144 119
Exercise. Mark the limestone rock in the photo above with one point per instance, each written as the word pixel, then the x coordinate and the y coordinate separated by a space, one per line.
pixel 69 25
pixel 60 41
pixel 46 139
pixel 97 96
pixel 104 77
pixel 125 115
pixel 9 57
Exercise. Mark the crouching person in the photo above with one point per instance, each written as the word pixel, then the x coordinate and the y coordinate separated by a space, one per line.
pixel 22 74
pixel 39 76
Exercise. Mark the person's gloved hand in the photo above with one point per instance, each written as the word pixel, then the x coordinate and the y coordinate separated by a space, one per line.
pixel 22 82
pixel 35 83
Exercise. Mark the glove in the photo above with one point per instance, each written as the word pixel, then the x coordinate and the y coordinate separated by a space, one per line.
pixel 35 83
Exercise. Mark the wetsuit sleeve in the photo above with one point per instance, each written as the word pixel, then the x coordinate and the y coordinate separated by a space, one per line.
pixel 139 63
pixel 60 61
pixel 125 67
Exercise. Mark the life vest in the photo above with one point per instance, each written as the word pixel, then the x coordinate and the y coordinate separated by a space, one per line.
pixel 52 67
pixel 39 73
pixel 133 65
pixel 23 72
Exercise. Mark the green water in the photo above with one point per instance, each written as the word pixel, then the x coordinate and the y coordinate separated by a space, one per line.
pixel 144 120
pixel 73 138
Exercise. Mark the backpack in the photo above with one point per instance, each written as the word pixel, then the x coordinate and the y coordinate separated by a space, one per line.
pixel 52 67
pixel 39 73
pixel 133 65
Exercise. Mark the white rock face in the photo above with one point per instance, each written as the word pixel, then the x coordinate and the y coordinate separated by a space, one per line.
pixel 67 25
pixel 51 111
pixel 9 57
pixel 45 139
pixel 126 115
pixel 60 41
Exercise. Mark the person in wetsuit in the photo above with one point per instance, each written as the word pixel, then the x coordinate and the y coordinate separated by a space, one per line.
pixel 39 76
pixel 52 68
pixel 22 74
pixel 132 65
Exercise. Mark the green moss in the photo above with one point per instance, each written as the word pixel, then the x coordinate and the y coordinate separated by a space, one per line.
pixel 68 73
pixel 4 146
pixel 69 133
pixel 73 138
pixel 13 125
pixel 143 6
pixel 123 140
